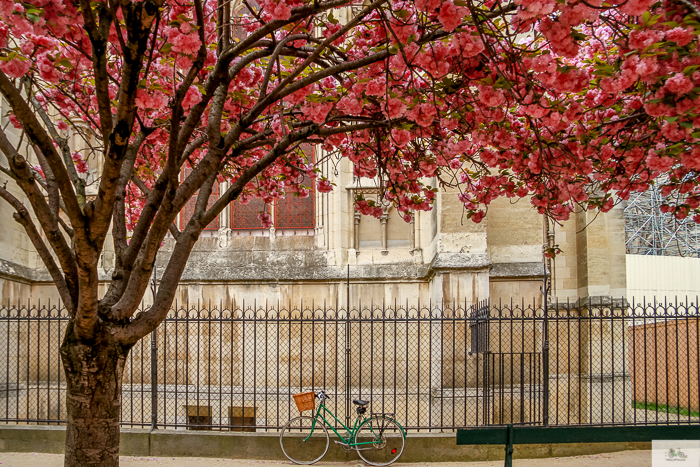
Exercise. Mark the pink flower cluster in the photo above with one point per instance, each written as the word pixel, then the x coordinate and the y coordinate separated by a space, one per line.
pixel 15 68
pixel 80 165
pixel 368 208
pixel 265 220
pixel 184 39
pixel 278 9
pixel 317 111
pixel 451 15
pixel 324 186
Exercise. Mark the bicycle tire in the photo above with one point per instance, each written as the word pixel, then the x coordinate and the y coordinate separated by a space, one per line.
pixel 388 438
pixel 296 446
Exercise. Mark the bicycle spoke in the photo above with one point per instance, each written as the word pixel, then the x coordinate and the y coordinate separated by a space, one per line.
pixel 379 441
pixel 304 440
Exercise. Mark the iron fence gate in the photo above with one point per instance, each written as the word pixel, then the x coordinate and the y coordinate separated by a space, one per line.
pixel 436 368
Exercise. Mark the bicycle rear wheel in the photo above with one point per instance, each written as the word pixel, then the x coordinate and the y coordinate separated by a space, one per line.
pixel 385 440
pixel 303 444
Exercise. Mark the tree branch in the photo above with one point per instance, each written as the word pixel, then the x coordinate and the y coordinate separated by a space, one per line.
pixel 98 39
pixel 78 182
pixel 36 133
pixel 149 320
pixel 49 223
pixel 100 210
pixel 23 217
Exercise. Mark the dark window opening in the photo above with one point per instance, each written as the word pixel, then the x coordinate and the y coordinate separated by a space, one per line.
pixel 241 417
pixel 198 417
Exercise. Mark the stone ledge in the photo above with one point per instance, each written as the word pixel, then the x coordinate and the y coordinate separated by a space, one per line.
pixel 420 447
pixel 312 266
pixel 19 272
pixel 275 266
pixel 517 270
pixel 460 261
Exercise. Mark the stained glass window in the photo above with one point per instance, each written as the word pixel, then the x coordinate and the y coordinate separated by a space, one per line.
pixel 188 210
pixel 245 216
pixel 295 212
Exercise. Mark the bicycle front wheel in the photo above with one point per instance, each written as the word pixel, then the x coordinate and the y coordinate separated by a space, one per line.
pixel 383 440
pixel 304 440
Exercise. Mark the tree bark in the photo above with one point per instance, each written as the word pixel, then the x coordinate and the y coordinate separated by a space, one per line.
pixel 94 380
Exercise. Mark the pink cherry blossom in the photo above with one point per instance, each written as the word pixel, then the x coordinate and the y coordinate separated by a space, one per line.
pixel 15 68
pixel 450 16
pixel 324 186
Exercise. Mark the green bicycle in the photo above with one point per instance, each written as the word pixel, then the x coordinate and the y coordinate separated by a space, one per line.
pixel 378 439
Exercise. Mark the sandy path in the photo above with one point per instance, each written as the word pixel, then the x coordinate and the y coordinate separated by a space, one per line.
pixel 616 459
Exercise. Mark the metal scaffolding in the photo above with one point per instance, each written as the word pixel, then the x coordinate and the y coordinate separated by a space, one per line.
pixel 648 231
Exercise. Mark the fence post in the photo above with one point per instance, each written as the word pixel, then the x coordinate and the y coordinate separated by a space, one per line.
pixel 154 381
pixel 348 381
pixel 545 353
pixel 154 358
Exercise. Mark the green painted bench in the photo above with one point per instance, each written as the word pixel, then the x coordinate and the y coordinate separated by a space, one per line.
pixel 509 435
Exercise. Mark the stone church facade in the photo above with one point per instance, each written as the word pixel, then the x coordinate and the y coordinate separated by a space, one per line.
pixel 319 250
pixel 439 257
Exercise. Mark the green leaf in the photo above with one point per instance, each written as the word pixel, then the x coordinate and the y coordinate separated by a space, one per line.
pixel 602 69
pixel 331 18
pixel 578 36
pixel 696 134
pixel 401 13
pixel 671 119
pixel 166 48
pixel 690 69
pixel 687 124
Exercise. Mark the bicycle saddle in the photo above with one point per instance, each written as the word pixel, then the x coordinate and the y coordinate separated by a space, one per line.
pixel 359 402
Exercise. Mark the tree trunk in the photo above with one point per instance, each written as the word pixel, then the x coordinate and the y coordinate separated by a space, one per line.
pixel 94 380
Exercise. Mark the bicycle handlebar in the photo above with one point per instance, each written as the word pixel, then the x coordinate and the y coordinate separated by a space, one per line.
pixel 321 394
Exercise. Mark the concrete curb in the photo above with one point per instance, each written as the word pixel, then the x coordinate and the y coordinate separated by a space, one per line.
pixel 420 447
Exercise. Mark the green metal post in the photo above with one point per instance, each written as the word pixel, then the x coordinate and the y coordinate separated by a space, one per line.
pixel 509 446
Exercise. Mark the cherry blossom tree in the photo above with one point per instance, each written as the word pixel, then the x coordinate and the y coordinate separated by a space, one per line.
pixel 567 103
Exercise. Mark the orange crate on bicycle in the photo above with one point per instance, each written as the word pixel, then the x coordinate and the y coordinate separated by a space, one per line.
pixel 305 401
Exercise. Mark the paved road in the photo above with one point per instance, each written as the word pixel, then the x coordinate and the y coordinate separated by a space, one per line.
pixel 617 459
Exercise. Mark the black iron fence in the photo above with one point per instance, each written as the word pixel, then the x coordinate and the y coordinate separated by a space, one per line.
pixel 435 368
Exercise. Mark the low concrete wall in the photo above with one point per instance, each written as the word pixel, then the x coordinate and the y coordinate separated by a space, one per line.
pixel 420 447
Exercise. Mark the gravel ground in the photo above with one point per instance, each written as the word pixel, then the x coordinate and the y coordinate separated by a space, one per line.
pixel 616 459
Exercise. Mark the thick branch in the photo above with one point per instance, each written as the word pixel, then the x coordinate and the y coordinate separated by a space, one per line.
pixel 100 211
pixel 141 185
pixel 98 39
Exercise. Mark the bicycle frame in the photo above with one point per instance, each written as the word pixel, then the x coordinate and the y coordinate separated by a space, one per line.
pixel 350 431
